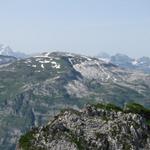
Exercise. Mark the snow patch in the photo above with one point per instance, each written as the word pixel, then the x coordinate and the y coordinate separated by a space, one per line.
pixel 141 62
pixel 55 65
pixel 46 54
pixel 37 70
pixel 69 54
pixel 105 59
pixel 42 66
pixel 70 60
pixel 28 61
pixel 34 66
pixel 134 62
pixel 43 55
pixel 44 61
pixel 87 58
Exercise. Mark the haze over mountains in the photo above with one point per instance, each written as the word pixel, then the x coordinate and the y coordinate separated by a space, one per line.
pixel 122 60
pixel 7 51
pixel 35 88
pixel 127 62
pixel 58 92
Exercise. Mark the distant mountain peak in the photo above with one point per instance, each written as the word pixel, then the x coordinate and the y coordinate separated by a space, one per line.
pixel 8 51
pixel 123 60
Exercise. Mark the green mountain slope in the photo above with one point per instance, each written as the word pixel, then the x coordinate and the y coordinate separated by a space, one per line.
pixel 34 89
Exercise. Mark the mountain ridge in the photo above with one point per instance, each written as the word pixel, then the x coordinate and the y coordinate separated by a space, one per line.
pixel 122 60
pixel 34 89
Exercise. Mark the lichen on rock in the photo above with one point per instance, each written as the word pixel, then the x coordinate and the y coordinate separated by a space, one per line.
pixel 93 128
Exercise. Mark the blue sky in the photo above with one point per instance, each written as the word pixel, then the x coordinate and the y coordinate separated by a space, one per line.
pixel 82 26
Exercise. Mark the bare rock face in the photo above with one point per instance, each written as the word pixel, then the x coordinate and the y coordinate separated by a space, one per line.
pixel 92 128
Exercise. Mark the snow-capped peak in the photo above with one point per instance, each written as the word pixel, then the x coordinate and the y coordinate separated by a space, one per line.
pixel 7 51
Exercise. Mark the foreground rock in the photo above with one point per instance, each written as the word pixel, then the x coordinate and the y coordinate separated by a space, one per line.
pixel 93 128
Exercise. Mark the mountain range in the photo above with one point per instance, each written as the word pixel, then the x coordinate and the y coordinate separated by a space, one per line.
pixel 34 89
pixel 141 64
pixel 7 59
pixel 122 60
pixel 7 51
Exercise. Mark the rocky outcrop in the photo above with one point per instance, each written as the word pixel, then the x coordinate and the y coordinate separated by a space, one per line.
pixel 91 128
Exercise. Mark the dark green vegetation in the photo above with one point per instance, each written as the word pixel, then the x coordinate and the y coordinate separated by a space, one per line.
pixel 134 108
pixel 56 130
pixel 139 109
pixel 34 89
pixel 25 140
pixel 108 106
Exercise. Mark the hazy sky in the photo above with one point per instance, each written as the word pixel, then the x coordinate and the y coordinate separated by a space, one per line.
pixel 81 26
